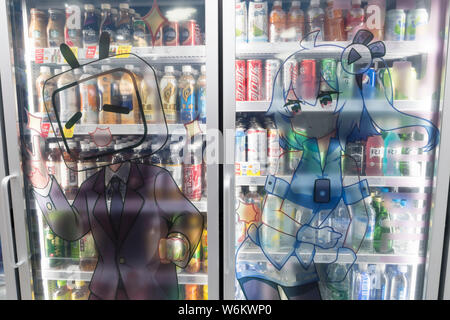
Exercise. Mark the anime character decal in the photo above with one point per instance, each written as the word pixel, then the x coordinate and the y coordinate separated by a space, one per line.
pixel 296 234
pixel 142 224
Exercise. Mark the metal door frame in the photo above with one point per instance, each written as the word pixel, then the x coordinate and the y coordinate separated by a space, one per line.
pixel 12 139
pixel 437 220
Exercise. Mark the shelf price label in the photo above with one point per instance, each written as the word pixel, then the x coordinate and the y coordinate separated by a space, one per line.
pixel 123 51
pixel 90 52
pixel 39 55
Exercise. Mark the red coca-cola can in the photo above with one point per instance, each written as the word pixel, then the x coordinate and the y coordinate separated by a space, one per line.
pixel 308 79
pixel 188 33
pixel 290 77
pixel 171 34
pixel 254 80
pixel 241 83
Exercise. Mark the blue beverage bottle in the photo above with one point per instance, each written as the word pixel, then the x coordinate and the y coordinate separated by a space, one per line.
pixel 201 95
pixel 392 148
pixel 186 92
pixel 108 23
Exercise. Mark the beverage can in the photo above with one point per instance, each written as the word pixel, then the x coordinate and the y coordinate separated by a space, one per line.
pixel 205 250
pixel 271 68
pixel 241 83
pixel 72 31
pixel 395 25
pixel 241 21
pixel 54 248
pixel 416 24
pixel 308 79
pixel 205 292
pixel 277 22
pixel 192 173
pixel 290 78
pixel 187 95
pixel 189 33
pixel 329 75
pixel 254 80
pixel 88 253
pixel 370 83
pixel 258 21
pixel 171 36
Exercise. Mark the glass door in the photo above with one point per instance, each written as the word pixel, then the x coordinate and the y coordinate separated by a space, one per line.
pixel 337 131
pixel 113 108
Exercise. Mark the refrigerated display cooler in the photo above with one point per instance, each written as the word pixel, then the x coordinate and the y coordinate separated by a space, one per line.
pixel 135 86
pixel 337 183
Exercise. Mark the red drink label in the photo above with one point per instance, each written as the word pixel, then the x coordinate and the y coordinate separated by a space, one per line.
pixel 254 80
pixel 39 56
pixel 192 181
pixel 240 80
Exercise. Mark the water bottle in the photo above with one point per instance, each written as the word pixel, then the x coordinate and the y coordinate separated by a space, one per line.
pixel 339 290
pixel 399 285
pixel 381 284
pixel 362 284
pixel 373 279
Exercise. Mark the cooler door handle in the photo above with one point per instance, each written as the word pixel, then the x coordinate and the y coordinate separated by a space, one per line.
pixel 6 222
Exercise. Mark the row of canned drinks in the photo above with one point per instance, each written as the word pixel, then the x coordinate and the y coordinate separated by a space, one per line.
pixel 183 94
pixel 336 22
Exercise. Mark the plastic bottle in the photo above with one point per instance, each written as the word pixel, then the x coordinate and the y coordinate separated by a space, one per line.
pixel 55 27
pixel 382 227
pixel 399 285
pixel 339 290
pixel 315 19
pixel 392 149
pixel 381 288
pixel 80 292
pixel 128 96
pixel 186 93
pixel 201 95
pixel 108 24
pixel 124 33
pixel 254 198
pixel 53 161
pixel 362 283
pixel 173 163
pixel 62 292
pixel 277 22
pixel 68 98
pixel 273 218
pixel 367 244
pixel 88 93
pixel 69 174
pixel 168 87
pixel 85 165
pixel 295 23
pixel 374 156
pixel 334 23
pixel 105 86
pixel 44 97
pixel 355 19
pixel 139 32
pixel 90 27
pixel 258 30
pixel 241 227
pixel 257 145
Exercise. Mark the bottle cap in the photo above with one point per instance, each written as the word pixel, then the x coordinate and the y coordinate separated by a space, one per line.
pixel 187 69
pixel 105 6
pixel 129 67
pixel 385 190
pixel 124 6
pixel 168 69
pixel 174 147
pixel 253 188
pixel 72 144
pixel 66 68
pixel 315 3
pixel 106 67
pixel 295 3
pixel 403 202
pixel 403 268
pixel 113 10
pixel 356 2
pixel 61 283
pixel 203 69
pixel 118 146
pixel 79 284
pixel 277 3
pixel 57 71
pixel 132 11
pixel 53 145
pixel 89 7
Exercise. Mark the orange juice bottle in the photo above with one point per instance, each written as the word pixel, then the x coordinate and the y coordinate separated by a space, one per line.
pixel 334 23
pixel 277 22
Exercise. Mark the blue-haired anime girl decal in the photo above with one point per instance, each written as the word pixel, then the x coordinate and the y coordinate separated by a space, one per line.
pixel 301 214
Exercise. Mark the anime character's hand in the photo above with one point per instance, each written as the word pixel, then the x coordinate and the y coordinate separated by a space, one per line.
pixel 324 238
pixel 173 249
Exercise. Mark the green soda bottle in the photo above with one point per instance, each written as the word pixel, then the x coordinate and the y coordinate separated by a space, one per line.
pixel 382 227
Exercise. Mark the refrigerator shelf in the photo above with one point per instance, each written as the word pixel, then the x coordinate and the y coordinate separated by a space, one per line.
pixel 74 273
pixel 382 181
pixel 153 55
pixel 422 107
pixel 322 257
pixel 129 129
pixel 328 49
